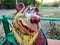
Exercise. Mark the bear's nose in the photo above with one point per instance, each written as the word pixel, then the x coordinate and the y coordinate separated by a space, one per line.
pixel 35 19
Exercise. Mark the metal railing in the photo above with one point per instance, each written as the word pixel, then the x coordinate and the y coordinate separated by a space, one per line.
pixel 12 17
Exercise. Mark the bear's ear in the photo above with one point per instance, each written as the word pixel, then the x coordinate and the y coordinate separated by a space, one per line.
pixel 19 6
pixel 36 10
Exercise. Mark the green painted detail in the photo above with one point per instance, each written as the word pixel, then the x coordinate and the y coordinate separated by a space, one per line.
pixel 10 38
pixel 44 34
pixel 0 18
pixel 2 42
pixel 58 38
pixel 10 23
pixel 50 19
pixel 5 25
pixel 53 19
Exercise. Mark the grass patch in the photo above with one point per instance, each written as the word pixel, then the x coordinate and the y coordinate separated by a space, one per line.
pixel 55 11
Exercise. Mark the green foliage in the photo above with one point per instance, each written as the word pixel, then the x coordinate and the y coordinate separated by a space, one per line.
pixel 9 4
pixel 53 32
pixel 55 4
pixel 26 2
pixel 46 5
pixel 37 4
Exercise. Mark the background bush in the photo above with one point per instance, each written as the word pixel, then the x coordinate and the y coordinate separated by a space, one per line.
pixel 9 4
pixel 26 2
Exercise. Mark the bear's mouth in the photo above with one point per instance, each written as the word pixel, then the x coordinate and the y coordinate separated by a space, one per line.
pixel 27 29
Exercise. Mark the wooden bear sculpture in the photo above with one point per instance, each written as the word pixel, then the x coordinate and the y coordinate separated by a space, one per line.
pixel 26 26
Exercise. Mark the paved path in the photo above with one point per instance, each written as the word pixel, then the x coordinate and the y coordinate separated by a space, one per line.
pixel 7 12
pixel 53 42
